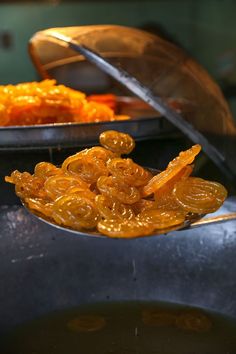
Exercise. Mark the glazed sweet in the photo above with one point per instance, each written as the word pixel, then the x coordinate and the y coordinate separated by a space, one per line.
pixel 45 102
pixel 99 190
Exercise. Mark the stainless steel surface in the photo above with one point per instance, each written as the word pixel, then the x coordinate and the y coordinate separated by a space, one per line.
pixel 69 135
pixel 194 221
pixel 147 96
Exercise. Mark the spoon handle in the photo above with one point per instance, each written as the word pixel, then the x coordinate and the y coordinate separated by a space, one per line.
pixel 213 220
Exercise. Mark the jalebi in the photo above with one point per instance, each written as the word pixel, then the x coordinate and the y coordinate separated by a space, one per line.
pixel 174 167
pixel 98 190
pixel 45 102
pixel 119 143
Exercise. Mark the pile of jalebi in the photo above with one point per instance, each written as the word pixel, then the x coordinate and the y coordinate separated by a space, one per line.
pixel 45 102
pixel 98 190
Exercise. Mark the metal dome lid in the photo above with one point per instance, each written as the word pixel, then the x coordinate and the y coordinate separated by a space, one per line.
pixel 153 69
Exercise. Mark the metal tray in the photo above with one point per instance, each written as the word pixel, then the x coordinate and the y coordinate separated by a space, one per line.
pixel 145 124
pixel 69 135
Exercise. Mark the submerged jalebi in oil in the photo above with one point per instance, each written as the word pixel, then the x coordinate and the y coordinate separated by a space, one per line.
pixel 98 190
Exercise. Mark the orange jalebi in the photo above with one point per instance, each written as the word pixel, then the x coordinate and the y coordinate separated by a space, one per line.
pixel 124 228
pixel 56 186
pixel 117 188
pixel 130 172
pixel 164 196
pixel 199 196
pixel 75 211
pixel 174 167
pixel 88 164
pixel 45 170
pixel 97 190
pixel 109 207
pixel 40 205
pixel 119 143
pixel 162 219
pixel 45 102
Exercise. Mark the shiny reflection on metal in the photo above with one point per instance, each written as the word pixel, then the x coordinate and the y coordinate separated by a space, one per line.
pixel 193 221
pixel 213 220
pixel 63 228
pixel 69 135
pixel 146 95
pixel 84 134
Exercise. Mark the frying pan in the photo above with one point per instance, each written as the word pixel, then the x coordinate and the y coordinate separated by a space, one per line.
pixel 44 270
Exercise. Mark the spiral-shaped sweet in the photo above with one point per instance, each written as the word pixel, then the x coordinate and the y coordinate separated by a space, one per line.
pixel 76 212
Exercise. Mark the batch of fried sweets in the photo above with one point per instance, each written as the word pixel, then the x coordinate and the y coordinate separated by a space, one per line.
pixel 100 189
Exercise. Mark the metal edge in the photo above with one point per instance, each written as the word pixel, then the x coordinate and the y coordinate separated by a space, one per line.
pixel 79 134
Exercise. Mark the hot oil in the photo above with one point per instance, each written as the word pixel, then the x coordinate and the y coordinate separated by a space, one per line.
pixel 126 328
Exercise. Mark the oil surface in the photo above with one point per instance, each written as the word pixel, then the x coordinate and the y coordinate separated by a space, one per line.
pixel 125 328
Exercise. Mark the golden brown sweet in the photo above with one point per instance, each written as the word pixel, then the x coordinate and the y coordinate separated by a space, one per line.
pixel 40 205
pixel 124 228
pixel 110 207
pixel 75 211
pixel 98 190
pixel 45 170
pixel 56 186
pixel 174 167
pixel 88 164
pixel 27 185
pixel 116 188
pixel 164 197
pixel 128 171
pixel 199 196
pixel 119 143
pixel 46 102
pixel 162 219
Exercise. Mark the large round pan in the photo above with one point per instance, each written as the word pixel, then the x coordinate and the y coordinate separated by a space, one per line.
pixel 45 269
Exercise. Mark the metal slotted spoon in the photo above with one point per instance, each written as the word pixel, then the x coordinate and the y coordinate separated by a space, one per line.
pixel 192 222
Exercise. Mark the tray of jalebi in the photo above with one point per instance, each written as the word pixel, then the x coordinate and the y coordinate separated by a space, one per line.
pixel 45 114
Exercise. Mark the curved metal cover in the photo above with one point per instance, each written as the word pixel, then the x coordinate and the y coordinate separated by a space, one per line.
pixel 153 69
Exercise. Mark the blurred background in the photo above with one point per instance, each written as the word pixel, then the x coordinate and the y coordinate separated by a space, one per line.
pixel 205 28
